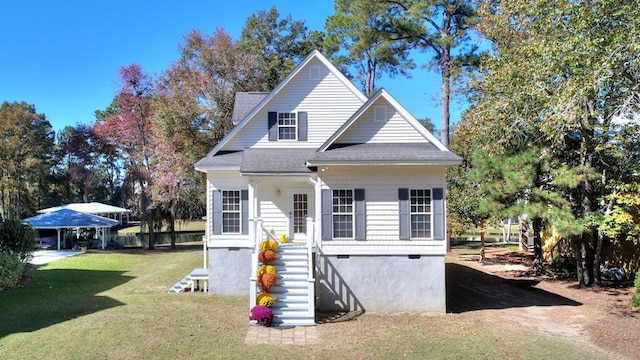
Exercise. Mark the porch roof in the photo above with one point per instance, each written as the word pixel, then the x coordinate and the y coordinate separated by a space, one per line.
pixel 261 161
pixel 418 153
pixel 298 160
pixel 276 161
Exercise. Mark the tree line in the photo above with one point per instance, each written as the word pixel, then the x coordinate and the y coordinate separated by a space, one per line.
pixel 551 130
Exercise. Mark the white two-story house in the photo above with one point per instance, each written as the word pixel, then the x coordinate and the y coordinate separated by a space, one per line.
pixel 356 184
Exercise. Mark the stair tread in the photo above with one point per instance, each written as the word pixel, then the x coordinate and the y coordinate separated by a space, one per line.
pixel 281 289
pixel 294 313
pixel 293 306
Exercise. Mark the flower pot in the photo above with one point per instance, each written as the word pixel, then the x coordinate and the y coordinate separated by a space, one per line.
pixel 283 238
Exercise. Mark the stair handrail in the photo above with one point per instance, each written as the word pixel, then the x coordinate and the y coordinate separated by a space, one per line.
pixel 255 234
pixel 310 245
pixel 311 281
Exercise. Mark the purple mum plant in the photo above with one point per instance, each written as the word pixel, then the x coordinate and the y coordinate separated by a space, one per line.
pixel 262 315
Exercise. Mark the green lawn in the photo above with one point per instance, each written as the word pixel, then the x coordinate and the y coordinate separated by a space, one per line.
pixel 115 305
pixel 190 226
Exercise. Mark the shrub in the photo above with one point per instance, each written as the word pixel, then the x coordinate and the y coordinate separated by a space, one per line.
pixel 11 270
pixel 17 238
pixel 563 267
pixel 635 302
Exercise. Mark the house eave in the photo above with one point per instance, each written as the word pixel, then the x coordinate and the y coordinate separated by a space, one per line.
pixel 272 174
pixel 383 163
pixel 205 168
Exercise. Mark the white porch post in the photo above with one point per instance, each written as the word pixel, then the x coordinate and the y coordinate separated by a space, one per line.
pixel 59 239
pixel 252 212
pixel 317 182
pixel 257 229
pixel 204 252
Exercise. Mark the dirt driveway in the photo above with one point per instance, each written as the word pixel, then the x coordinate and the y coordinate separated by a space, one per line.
pixel 503 291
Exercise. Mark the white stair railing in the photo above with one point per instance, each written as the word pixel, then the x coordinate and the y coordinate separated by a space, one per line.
pixel 256 226
pixel 310 273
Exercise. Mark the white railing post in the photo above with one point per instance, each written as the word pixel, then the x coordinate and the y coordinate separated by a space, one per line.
pixel 311 281
pixel 204 251
pixel 256 226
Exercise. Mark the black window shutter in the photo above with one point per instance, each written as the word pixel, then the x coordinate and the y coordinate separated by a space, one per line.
pixel 403 206
pixel 361 224
pixel 302 126
pixel 437 201
pixel 216 212
pixel 244 207
pixel 327 211
pixel 273 126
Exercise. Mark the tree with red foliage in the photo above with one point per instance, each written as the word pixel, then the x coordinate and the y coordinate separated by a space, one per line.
pixel 192 112
pixel 128 129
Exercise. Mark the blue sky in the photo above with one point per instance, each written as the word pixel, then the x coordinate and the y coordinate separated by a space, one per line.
pixel 63 56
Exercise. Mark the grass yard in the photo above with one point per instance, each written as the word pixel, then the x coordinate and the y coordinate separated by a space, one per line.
pixel 115 305
pixel 187 226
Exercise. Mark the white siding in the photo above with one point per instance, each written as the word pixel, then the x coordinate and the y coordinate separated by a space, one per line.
pixel 328 103
pixel 273 204
pixel 394 129
pixel 272 207
pixel 223 180
pixel 381 186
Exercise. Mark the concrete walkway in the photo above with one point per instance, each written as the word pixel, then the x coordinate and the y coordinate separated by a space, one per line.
pixel 299 335
pixel 42 257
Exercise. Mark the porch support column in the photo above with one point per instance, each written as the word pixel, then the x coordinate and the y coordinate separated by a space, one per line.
pixel 59 238
pixel 252 211
pixel 317 184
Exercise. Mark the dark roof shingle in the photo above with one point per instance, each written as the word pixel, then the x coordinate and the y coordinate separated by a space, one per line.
pixel 221 159
pixel 386 152
pixel 244 103
pixel 276 161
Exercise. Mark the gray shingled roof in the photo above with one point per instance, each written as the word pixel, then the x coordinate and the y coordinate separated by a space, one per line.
pixel 244 103
pixel 293 161
pixel 279 161
pixel 376 152
pixel 221 159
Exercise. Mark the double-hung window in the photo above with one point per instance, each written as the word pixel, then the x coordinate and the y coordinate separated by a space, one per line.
pixel 231 211
pixel 287 126
pixel 420 213
pixel 342 213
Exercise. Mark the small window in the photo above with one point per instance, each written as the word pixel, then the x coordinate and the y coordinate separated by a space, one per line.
pixel 380 113
pixel 231 212
pixel 342 214
pixel 420 211
pixel 314 72
pixel 287 126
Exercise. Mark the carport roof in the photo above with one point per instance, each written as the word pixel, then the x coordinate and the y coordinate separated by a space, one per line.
pixel 67 218
pixel 88 208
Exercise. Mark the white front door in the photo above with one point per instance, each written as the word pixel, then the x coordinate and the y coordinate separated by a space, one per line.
pixel 300 207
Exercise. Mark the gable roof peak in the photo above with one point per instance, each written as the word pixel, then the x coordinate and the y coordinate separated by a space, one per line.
pixel 315 54
pixel 382 93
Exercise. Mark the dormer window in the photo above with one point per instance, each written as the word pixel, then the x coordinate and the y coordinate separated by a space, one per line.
pixel 287 126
